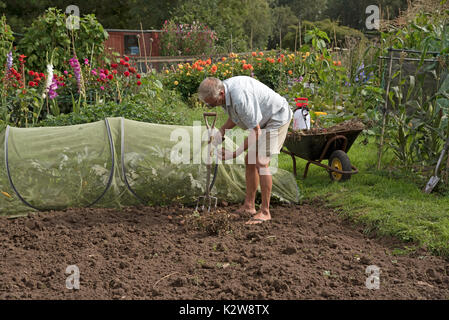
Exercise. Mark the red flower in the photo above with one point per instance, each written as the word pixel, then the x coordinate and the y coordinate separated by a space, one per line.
pixel 114 71
pixel 126 58
pixel 31 84
pixel 31 73
pixel 213 69
pixel 126 74
pixel 122 62
pixel 42 75
pixel 37 79
pixel 36 83
pixel 138 76
pixel 126 64
pixel 139 83
pixel 106 71
pixel 110 77
pixel 114 66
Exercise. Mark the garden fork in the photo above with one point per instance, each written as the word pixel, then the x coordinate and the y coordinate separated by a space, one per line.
pixel 207 199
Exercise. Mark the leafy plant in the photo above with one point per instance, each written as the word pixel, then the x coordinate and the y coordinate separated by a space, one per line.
pixel 6 41
pixel 187 39
pixel 49 33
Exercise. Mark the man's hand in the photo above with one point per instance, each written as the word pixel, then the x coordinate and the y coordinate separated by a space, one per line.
pixel 217 138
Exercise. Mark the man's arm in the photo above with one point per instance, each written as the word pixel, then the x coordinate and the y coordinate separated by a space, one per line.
pixel 252 138
pixel 219 136
pixel 227 126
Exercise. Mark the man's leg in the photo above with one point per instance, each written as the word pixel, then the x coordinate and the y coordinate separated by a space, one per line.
pixel 252 182
pixel 266 183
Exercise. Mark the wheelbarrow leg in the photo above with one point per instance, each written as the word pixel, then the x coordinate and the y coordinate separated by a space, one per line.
pixel 293 160
pixel 306 169
pixel 294 163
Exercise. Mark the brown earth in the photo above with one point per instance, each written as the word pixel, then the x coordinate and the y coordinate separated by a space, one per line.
pixel 349 125
pixel 305 252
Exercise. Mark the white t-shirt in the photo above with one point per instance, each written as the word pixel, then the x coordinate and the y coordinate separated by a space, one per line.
pixel 250 103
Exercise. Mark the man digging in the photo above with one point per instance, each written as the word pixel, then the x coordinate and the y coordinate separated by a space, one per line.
pixel 251 105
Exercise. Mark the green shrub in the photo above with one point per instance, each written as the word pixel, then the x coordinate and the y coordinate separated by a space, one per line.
pixel 49 32
pixel 334 31
pixel 164 109
pixel 6 40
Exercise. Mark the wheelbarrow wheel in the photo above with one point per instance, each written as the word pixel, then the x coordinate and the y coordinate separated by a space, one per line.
pixel 339 160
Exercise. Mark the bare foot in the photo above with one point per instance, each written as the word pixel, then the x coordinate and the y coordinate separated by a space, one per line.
pixel 244 209
pixel 260 217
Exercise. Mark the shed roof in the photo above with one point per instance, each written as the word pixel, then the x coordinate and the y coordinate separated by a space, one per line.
pixel 130 30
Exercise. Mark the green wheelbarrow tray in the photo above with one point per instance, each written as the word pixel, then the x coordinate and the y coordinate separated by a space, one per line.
pixel 331 146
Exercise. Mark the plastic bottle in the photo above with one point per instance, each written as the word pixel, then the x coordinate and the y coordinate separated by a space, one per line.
pixel 301 116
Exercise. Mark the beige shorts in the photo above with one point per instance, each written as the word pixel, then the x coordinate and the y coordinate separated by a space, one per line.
pixel 269 143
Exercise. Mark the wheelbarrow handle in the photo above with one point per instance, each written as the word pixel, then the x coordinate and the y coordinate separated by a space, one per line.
pixel 210 114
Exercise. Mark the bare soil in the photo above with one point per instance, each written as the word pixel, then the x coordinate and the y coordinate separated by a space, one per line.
pixel 305 252
pixel 349 125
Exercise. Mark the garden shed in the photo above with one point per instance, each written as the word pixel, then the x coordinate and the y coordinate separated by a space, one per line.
pixel 130 43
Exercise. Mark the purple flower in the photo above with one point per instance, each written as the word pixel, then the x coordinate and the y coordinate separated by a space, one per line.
pixel 53 87
pixel 9 60
pixel 74 63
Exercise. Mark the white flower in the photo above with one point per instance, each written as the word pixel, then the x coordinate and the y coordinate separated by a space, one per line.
pixel 49 79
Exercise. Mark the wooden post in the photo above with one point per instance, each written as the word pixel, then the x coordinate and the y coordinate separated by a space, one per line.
pixel 300 32
pixel 384 118
pixel 144 48
pixel 296 39
pixel 251 38
pixel 231 42
pixel 280 38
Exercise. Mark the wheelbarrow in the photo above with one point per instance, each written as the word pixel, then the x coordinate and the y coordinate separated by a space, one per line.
pixel 332 146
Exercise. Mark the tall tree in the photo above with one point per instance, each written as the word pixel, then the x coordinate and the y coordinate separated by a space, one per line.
pixel 311 10
pixel 283 17
pixel 352 13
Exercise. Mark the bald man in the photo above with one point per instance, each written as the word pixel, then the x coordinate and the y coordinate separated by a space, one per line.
pixel 253 106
